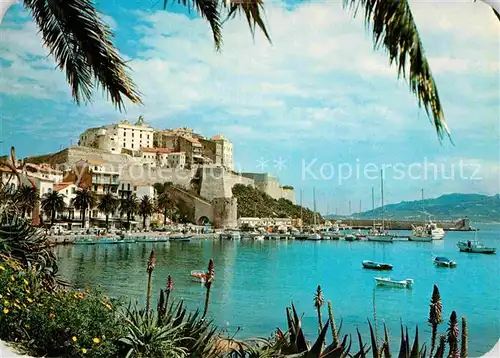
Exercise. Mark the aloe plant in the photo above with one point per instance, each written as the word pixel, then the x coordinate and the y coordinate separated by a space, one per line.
pixel 463 346
pixel 318 303
pixel 208 284
pixel 149 270
pixel 452 335
pixel 435 316
pixel 331 318
pixel 441 347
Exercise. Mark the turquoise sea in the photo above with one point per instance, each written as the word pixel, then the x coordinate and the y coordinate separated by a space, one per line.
pixel 255 281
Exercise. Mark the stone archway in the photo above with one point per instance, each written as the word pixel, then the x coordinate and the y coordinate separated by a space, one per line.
pixel 203 220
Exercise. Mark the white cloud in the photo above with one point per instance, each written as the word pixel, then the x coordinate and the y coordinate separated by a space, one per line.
pixel 319 79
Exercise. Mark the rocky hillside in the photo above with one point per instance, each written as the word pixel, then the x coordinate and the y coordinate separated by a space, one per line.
pixel 255 203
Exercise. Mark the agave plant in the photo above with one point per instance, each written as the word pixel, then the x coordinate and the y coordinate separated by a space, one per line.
pixel 147 338
pixel 29 245
pixel 435 316
pixel 319 301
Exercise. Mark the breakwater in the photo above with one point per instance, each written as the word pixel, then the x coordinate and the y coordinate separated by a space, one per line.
pixel 460 225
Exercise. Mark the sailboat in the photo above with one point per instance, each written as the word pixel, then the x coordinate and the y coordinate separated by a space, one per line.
pixel 420 233
pixel 314 236
pixel 380 235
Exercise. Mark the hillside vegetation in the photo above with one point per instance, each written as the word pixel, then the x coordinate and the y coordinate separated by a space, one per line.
pixel 478 208
pixel 255 203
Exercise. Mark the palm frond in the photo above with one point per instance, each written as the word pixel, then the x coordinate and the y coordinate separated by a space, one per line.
pixel 253 11
pixel 81 44
pixel 209 10
pixel 394 28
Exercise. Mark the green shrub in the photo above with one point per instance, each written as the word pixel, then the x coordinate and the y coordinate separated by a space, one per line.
pixel 56 323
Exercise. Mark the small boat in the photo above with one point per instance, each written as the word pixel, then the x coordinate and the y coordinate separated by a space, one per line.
pixel 107 240
pixel 441 261
pixel 199 275
pixel 372 265
pixel 230 235
pixel 381 238
pixel 181 238
pixel 259 238
pixel 389 282
pixel 350 237
pixel 314 237
pixel 85 241
pixel 420 234
pixel 474 246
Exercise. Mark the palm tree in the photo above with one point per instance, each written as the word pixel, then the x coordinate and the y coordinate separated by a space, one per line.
pixel 146 207
pixel 108 205
pixel 84 200
pixel 26 197
pixel 164 205
pixel 129 207
pixel 53 203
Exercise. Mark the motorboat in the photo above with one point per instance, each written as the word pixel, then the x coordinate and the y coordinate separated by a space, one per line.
pixel 389 282
pixel 359 235
pixel 381 237
pixel 474 246
pixel 350 237
pixel 372 265
pixel 420 234
pixel 199 275
pixel 314 237
pixel 434 231
pixel 85 241
pixel 441 261
pixel 231 235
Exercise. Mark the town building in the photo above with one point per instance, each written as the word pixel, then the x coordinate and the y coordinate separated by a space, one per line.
pixel 115 138
pixel 193 149
pixel 212 151
pixel 163 157
pixel 226 151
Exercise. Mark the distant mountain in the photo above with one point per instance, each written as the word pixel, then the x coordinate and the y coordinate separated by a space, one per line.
pixel 477 207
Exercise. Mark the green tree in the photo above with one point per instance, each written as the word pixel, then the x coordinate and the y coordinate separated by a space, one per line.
pixel 53 203
pixel 108 205
pixel 84 200
pixel 146 207
pixel 164 204
pixel 26 198
pixel 129 206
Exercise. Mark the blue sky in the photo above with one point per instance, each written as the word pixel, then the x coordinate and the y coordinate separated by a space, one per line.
pixel 319 94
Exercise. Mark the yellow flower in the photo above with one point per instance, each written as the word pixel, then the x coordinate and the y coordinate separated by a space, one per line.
pixel 96 340
pixel 27 291
pixel 12 278
pixel 27 325
pixel 84 351
pixel 1 297
pixel 52 316
pixel 17 306
pixel 103 337
pixel 17 300
pixel 25 281
pixel 80 294
pixel 108 306
pixel 5 303
pixel 30 300
pixel 5 310
pixel 74 339
pixel 2 268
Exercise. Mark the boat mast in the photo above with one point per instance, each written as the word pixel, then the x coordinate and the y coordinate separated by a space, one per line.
pixel 373 206
pixel 301 209
pixel 382 192
pixel 350 212
pixel 314 206
pixel 423 209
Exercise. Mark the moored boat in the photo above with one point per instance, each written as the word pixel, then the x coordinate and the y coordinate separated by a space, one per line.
pixel 350 237
pixel 199 275
pixel 372 265
pixel 441 261
pixel 474 246
pixel 389 282
pixel 314 237
pixel 85 241
pixel 383 237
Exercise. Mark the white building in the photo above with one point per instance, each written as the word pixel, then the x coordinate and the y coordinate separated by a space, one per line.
pixel 227 151
pixel 115 137
pixel 140 189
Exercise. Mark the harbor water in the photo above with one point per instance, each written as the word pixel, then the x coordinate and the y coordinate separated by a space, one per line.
pixel 256 281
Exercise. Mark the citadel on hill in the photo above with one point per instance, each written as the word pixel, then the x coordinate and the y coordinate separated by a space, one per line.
pixel 129 158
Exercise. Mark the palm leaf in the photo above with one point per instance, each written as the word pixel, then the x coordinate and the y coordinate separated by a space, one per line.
pixel 252 10
pixel 81 44
pixel 395 30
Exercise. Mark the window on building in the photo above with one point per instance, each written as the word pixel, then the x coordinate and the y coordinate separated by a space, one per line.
pixel 132 135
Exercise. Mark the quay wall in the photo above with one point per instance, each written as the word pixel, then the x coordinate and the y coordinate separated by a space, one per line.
pixel 401 224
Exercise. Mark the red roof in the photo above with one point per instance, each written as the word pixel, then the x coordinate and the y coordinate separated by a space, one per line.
pixel 62 186
pixel 155 150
